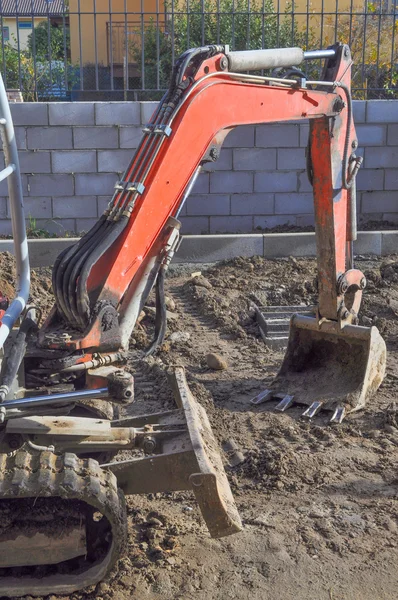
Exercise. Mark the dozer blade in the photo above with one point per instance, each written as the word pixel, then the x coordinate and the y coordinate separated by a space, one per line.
pixel 185 457
pixel 328 368
pixel 210 483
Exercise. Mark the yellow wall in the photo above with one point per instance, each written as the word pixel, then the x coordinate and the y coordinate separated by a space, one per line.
pixel 83 28
pixel 11 23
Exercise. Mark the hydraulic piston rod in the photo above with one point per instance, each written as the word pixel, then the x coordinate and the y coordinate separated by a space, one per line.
pixel 255 60
pixel 56 398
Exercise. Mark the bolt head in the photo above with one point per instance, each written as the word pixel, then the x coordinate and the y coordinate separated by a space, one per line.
pixel 362 283
pixel 149 445
pixel 224 63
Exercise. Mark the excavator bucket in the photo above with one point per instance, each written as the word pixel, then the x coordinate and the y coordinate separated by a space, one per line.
pixel 330 368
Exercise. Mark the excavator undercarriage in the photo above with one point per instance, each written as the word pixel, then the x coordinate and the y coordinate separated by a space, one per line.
pixel 62 511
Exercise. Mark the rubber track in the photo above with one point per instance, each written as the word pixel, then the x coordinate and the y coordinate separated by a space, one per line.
pixel 45 474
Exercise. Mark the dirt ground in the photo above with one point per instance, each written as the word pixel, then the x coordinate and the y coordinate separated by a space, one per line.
pixel 318 502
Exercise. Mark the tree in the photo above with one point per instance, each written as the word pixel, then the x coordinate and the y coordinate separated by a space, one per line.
pixel 49 42
pixel 241 24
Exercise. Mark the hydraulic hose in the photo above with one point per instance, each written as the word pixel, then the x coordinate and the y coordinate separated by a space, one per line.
pixel 82 298
pixel 161 314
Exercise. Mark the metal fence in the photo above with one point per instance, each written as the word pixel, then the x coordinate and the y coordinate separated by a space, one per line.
pixel 124 49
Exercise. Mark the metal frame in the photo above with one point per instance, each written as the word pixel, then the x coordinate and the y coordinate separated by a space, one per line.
pixel 308 27
pixel 13 174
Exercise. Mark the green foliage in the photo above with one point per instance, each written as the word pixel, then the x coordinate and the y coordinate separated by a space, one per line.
pixel 18 69
pixel 36 76
pixel 212 22
pixel 374 58
pixel 47 42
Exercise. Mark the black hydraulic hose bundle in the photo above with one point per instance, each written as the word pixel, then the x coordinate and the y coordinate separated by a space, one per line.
pixel 161 314
pixel 82 298
pixel 74 265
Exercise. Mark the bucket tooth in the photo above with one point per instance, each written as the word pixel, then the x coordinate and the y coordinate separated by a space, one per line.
pixel 312 410
pixel 286 402
pixel 332 366
pixel 338 415
pixel 262 397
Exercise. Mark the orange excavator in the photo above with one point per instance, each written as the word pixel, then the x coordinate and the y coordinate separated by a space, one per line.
pixel 62 511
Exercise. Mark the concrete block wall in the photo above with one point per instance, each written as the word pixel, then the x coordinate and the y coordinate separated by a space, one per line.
pixel 71 155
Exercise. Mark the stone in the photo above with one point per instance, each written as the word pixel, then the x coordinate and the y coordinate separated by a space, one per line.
pixel 179 336
pixel 216 362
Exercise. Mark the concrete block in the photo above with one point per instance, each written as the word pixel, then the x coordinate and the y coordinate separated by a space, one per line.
pixel 270 221
pixel 71 113
pixel 49 138
pixel 117 113
pixel 291 204
pixel 392 217
pixel 34 162
pixel 223 163
pixel 291 158
pixel 303 183
pixel 38 208
pixel 130 137
pixel 374 202
pixel 43 253
pixel 391 180
pixel 229 182
pixel 305 220
pixel 250 159
pixel 74 161
pixel 389 242
pixel 382 111
pixel 392 135
pixel 275 182
pixel 252 204
pixel 74 207
pixel 241 224
pixel 95 184
pixel 147 110
pixel 369 180
pixel 4 186
pixel 202 184
pixel 304 133
pixel 359 111
pixel 59 227
pixel 95 137
pixel 84 225
pixel 240 137
pixel 111 161
pixel 371 135
pixel 194 225
pixel 20 137
pixel 368 242
pixel 6 229
pixel 50 185
pixel 3 208
pixel 211 248
pixel 289 244
pixel 215 204
pixel 279 135
pixel 102 203
pixel 29 113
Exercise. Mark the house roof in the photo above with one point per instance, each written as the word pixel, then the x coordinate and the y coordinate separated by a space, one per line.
pixel 28 8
